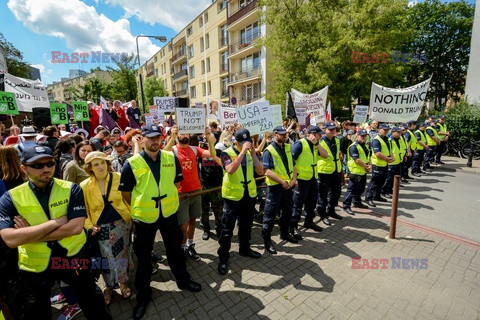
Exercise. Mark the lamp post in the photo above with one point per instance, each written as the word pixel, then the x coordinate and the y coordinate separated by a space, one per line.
pixel 159 38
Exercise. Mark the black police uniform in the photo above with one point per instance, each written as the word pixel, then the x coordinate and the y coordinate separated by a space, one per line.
pixel 379 174
pixel 356 182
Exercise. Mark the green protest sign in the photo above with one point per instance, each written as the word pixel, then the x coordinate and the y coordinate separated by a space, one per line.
pixel 58 113
pixel 8 104
pixel 80 111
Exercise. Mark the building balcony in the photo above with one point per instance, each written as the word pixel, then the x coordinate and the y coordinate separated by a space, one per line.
pixel 180 74
pixel 179 55
pixel 244 46
pixel 224 93
pixel 180 93
pixel 223 41
pixel 223 67
pixel 241 101
pixel 241 12
pixel 244 75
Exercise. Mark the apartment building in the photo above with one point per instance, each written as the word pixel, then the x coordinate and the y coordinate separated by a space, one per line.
pixel 58 91
pixel 216 55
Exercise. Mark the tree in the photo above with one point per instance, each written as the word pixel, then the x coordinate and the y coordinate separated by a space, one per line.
pixel 443 31
pixel 92 90
pixel 124 84
pixel 153 87
pixel 312 41
pixel 14 57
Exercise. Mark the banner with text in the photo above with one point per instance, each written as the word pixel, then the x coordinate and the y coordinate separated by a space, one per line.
pixel 164 104
pixel 301 115
pixel 28 94
pixel 58 113
pixel 277 115
pixel 313 103
pixel 80 111
pixel 8 105
pixel 397 105
pixel 361 113
pixel 190 120
pixel 256 117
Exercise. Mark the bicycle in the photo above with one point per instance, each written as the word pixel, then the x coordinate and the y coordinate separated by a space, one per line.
pixel 466 149
pixel 455 146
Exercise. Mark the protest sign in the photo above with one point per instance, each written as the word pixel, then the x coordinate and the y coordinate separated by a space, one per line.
pixel 397 105
pixel 301 115
pixel 164 104
pixel 256 117
pixel 58 113
pixel 277 115
pixel 361 113
pixel 228 116
pixel 313 103
pixel 213 109
pixel 156 114
pixel 80 111
pixel 190 120
pixel 198 105
pixel 28 94
pixel 148 120
pixel 8 105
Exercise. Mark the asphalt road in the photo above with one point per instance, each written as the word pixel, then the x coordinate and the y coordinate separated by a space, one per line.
pixel 448 199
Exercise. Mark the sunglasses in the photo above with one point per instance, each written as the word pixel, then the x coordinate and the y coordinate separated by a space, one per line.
pixel 41 165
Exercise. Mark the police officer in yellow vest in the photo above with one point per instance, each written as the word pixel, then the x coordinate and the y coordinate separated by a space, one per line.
pixel 44 218
pixel 412 142
pixel 381 156
pixel 149 183
pixel 329 175
pixel 239 192
pixel 420 150
pixel 443 135
pixel 394 168
pixel 407 154
pixel 433 140
pixel 305 153
pixel 358 162
pixel 281 177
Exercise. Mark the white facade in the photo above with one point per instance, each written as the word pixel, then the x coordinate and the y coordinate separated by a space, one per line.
pixel 472 87
pixel 3 61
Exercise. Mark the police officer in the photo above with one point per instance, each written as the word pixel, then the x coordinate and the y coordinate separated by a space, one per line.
pixel 358 156
pixel 239 192
pixel 420 150
pixel 394 167
pixel 281 177
pixel 305 153
pixel 406 153
pixel 381 156
pixel 443 135
pixel 329 175
pixel 149 183
pixel 44 218
pixel 412 142
pixel 433 139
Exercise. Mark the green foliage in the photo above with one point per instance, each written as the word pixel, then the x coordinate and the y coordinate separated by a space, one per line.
pixel 92 90
pixel 15 64
pixel 442 31
pixel 124 84
pixel 464 119
pixel 153 87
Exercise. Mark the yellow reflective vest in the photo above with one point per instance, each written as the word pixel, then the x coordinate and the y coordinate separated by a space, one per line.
pixel 327 166
pixel 35 256
pixel 307 161
pixel 423 138
pixel 384 150
pixel 430 141
pixel 353 167
pixel 443 128
pixel 147 192
pixel 397 150
pixel 413 141
pixel 280 170
pixel 233 184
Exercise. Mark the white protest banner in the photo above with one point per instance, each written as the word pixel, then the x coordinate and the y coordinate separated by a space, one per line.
pixel 212 109
pixel 313 103
pixel 256 117
pixel 228 116
pixel 28 94
pixel 190 120
pixel 148 120
pixel 156 114
pixel 164 104
pixel 301 115
pixel 277 114
pixel 361 113
pixel 397 105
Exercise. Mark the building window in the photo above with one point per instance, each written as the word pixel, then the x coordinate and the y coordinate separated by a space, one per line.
pixel 183 66
pixel 190 51
pixel 200 21
pixel 202 45
pixel 223 35
pixel 206 17
pixel 165 83
pixel 209 86
pixel 204 89
pixel 222 5
pixel 203 66
pixel 224 61
pixel 249 33
pixel 207 41
pixel 250 62
pixel 189 31
pixel 192 72
pixel 208 64
pixel 193 92
pixel 251 92
pixel 224 88
pixel 155 59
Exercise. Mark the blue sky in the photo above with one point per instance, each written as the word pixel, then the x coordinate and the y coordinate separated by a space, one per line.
pixel 37 28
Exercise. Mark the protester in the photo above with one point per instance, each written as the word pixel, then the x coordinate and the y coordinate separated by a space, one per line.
pixel 12 138
pixel 100 139
pixel 133 113
pixel 11 173
pixel 52 134
pixel 63 154
pixel 74 169
pixel 120 155
pixel 28 134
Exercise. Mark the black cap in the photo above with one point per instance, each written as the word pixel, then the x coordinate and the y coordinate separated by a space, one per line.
pixel 314 129
pixel 412 122
pixel 32 154
pixel 280 130
pixel 331 125
pixel 362 132
pixel 242 136
pixel 397 129
pixel 384 126
pixel 442 117
pixel 151 131
pixel 405 125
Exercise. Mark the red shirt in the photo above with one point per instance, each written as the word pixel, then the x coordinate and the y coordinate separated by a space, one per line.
pixel 188 162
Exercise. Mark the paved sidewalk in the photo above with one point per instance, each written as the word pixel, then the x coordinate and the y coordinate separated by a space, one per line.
pixel 315 279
